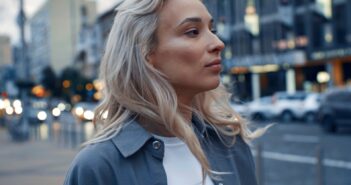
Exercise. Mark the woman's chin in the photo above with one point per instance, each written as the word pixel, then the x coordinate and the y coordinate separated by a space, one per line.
pixel 213 84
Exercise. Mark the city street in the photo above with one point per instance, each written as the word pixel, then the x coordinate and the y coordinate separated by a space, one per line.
pixel 286 63
pixel 32 163
pixel 289 154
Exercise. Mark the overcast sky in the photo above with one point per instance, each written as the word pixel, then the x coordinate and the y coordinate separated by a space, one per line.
pixel 9 12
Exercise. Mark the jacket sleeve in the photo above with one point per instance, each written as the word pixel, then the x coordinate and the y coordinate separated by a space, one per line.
pixel 245 162
pixel 90 168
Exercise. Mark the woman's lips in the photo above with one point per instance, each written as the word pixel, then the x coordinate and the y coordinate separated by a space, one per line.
pixel 214 65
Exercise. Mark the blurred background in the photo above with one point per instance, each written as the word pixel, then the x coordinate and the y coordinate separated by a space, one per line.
pixel 286 62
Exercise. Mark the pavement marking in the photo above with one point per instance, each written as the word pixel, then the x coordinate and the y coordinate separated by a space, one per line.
pixel 300 138
pixel 304 159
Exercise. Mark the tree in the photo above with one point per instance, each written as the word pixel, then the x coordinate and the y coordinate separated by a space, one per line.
pixel 50 81
pixel 73 83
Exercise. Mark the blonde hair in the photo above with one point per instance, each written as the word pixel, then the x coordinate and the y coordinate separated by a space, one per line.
pixel 134 88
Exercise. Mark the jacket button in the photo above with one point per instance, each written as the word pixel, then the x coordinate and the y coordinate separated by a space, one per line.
pixel 156 145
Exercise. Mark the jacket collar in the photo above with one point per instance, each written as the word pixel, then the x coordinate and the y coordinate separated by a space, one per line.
pixel 132 136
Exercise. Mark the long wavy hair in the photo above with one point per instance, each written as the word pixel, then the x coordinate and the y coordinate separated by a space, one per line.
pixel 134 88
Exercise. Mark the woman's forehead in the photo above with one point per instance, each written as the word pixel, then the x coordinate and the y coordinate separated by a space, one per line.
pixel 174 12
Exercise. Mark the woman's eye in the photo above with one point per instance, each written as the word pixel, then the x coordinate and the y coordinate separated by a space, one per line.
pixel 192 33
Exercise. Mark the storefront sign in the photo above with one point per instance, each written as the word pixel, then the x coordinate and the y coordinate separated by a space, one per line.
pixel 290 58
pixel 320 55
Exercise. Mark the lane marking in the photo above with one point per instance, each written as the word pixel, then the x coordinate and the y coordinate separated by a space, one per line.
pixel 300 138
pixel 304 159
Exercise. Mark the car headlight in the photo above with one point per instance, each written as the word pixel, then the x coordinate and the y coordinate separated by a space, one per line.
pixel 79 111
pixel 6 103
pixel 88 115
pixel 42 115
pixel 56 112
pixel 18 110
pixel 61 106
pixel 9 110
pixel 2 104
pixel 17 103
pixel 104 115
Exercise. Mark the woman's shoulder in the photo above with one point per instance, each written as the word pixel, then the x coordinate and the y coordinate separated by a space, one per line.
pixel 92 163
pixel 97 154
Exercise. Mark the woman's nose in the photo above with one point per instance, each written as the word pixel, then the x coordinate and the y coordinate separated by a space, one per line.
pixel 216 44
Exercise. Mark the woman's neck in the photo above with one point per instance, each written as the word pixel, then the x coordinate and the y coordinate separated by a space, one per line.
pixel 184 103
pixel 154 128
pixel 160 129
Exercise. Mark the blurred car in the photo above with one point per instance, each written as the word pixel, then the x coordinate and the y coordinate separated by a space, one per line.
pixel 84 111
pixel 62 105
pixel 37 116
pixel 2 112
pixel 2 108
pixel 261 109
pixel 311 106
pixel 239 107
pixel 11 107
pixel 335 109
pixel 58 106
pixel 38 111
pixel 288 106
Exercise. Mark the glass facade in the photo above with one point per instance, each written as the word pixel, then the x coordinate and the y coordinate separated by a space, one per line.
pixel 292 34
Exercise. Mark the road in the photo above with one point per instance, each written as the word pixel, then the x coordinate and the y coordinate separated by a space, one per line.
pixel 34 162
pixel 290 153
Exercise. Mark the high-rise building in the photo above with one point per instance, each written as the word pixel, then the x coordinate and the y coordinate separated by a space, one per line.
pixel 64 26
pixel 105 21
pixel 5 51
pixel 285 45
pixel 39 47
pixel 55 32
pixel 6 63
pixel 88 49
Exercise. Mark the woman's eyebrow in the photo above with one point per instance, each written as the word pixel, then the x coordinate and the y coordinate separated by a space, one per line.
pixel 193 19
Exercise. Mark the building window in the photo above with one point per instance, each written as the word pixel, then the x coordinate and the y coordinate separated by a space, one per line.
pixel 340 22
pixel 317 36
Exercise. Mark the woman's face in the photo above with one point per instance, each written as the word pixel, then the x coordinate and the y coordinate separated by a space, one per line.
pixel 187 52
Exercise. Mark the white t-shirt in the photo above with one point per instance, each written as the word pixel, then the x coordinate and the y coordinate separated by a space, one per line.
pixel 181 166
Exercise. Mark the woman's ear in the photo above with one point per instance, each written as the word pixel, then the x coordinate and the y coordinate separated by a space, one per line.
pixel 150 58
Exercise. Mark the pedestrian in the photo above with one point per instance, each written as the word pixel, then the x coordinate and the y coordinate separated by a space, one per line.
pixel 168 116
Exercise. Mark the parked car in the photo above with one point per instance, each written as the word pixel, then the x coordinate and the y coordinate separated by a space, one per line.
pixel 239 107
pixel 288 106
pixel 261 109
pixel 38 111
pixel 2 112
pixel 310 108
pixel 335 109
pixel 84 111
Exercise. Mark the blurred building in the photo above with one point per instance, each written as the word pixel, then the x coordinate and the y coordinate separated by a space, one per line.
pixel 5 51
pixel 105 21
pixel 55 33
pixel 88 53
pixel 39 47
pixel 104 24
pixel 276 45
pixel 5 61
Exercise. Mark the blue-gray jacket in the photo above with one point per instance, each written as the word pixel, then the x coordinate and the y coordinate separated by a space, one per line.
pixel 134 157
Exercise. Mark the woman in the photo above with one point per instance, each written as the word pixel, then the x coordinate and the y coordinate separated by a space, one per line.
pixel 168 118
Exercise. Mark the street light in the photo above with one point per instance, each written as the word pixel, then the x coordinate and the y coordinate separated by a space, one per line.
pixel 20 130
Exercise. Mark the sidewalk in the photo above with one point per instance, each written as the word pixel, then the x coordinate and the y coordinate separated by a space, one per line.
pixel 32 162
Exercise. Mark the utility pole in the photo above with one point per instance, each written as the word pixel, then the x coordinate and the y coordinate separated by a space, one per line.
pixel 20 131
